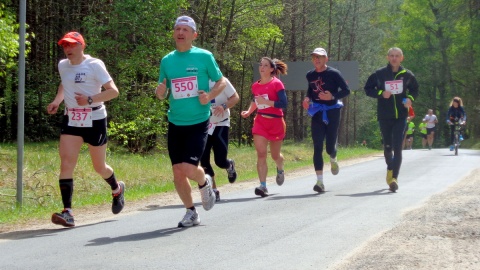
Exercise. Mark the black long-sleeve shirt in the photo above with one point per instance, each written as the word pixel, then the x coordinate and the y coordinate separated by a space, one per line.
pixel 391 108
pixel 328 80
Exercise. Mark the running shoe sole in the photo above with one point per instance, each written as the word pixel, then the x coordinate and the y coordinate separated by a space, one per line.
pixel 186 225
pixel 189 223
pixel 319 189
pixel 393 187
pixel 260 192
pixel 56 219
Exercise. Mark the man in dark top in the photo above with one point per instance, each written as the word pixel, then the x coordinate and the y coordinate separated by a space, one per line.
pixel 395 88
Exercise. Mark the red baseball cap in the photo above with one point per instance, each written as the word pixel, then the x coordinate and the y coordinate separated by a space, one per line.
pixel 72 37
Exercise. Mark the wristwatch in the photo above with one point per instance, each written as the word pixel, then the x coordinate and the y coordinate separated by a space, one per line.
pixel 224 106
pixel 90 100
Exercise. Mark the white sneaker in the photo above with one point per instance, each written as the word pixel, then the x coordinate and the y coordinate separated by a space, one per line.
pixel 207 194
pixel 190 219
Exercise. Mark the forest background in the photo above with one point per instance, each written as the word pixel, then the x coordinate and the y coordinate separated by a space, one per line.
pixel 440 40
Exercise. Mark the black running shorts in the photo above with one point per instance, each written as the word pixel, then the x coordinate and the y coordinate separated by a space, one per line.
pixel 187 143
pixel 95 135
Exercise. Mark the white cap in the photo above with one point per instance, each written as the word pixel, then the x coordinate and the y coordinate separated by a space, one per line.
pixel 185 20
pixel 319 51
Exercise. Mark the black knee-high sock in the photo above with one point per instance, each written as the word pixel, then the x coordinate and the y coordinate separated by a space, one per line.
pixel 112 181
pixel 66 189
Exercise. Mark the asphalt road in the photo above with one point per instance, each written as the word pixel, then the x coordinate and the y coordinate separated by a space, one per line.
pixel 294 228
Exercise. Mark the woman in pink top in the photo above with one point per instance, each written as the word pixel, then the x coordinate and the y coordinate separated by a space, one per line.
pixel 268 126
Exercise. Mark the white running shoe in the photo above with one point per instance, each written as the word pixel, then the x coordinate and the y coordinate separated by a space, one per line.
pixel 190 219
pixel 207 194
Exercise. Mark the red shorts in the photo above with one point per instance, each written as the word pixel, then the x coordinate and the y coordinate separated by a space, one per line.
pixel 273 129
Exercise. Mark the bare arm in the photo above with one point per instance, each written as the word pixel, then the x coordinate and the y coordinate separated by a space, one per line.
pixel 110 92
pixel 250 110
pixel 53 106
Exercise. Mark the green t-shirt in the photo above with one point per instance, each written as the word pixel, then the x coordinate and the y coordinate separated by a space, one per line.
pixel 423 128
pixel 411 128
pixel 186 73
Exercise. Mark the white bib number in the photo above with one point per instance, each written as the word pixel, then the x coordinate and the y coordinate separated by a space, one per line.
pixel 262 106
pixel 80 117
pixel 186 87
pixel 395 87
pixel 211 128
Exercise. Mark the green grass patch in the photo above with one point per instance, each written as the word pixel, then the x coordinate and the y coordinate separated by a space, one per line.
pixel 144 175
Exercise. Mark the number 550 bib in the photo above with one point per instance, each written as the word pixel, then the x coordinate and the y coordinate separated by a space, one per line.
pixel 186 87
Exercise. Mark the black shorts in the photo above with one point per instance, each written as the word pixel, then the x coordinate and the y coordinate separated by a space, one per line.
pixel 430 130
pixel 95 135
pixel 409 136
pixel 187 143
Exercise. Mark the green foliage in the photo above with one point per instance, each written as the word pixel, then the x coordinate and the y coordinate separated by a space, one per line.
pixel 440 39
pixel 370 132
pixel 8 39
pixel 140 125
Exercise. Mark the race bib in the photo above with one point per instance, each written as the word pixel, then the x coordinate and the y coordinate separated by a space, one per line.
pixel 186 87
pixel 211 128
pixel 215 119
pixel 395 87
pixel 262 106
pixel 80 117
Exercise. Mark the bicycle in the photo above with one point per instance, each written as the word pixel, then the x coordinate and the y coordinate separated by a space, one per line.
pixel 458 123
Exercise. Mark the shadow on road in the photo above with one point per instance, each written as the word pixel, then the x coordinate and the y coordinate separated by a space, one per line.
pixel 18 235
pixel 301 196
pixel 365 194
pixel 154 207
pixel 135 237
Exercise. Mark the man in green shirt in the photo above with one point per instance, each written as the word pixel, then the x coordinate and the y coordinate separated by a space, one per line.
pixel 184 81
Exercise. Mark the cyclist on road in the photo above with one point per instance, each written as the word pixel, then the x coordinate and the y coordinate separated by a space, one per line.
pixel 455 112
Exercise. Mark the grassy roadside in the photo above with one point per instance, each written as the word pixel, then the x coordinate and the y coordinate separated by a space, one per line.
pixel 144 175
